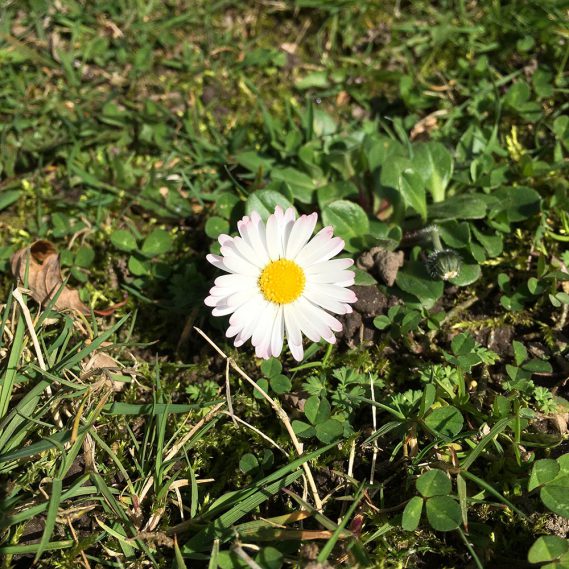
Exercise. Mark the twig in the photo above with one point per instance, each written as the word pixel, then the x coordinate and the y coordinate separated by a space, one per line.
pixel 228 393
pixel 237 419
pixel 278 410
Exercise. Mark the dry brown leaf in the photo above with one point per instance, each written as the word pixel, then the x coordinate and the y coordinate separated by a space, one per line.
pixel 44 276
pixel 103 363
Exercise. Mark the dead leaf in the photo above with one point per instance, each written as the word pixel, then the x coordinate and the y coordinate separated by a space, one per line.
pixel 41 261
pixel 101 363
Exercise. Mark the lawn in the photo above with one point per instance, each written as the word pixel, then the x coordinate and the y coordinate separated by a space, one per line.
pixel 425 425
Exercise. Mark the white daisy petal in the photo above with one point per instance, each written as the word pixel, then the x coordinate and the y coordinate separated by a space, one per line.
pixel 332 265
pixel 339 278
pixel 328 303
pixel 321 251
pixel 320 319
pixel 300 234
pixel 333 291
pixel 308 328
pixel 253 233
pixel 277 336
pixel 293 333
pixel 239 265
pixel 217 261
pixel 235 281
pixel 274 235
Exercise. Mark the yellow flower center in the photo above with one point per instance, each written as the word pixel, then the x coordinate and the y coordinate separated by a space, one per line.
pixel 282 281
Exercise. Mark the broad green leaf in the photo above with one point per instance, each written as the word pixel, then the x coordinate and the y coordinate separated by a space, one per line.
pixel 463 206
pixel 434 163
pixel 215 226
pixel 7 198
pixel 157 243
pixel 248 463
pixel 301 185
pixel 253 161
pixel 469 273
pixel 412 190
pixel 414 279
pixel 334 192
pixel 303 429
pixel 455 234
pixel 264 203
pixel 446 421
pixel 329 430
pixel 317 410
pixel 517 204
pixel 412 514
pixel 124 240
pixel 520 352
pixel 555 495
pixel 280 383
pixel 433 483
pixel 543 471
pixel 137 267
pixel 84 257
pixel 347 218
pixel 443 513
pixel 271 367
pixel 548 548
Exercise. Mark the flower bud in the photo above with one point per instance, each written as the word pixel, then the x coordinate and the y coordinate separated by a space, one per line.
pixel 444 265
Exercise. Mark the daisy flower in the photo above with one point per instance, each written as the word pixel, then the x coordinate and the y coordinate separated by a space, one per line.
pixel 281 283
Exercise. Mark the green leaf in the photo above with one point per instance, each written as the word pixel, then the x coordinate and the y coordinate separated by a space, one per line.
pixel 434 163
pixel 443 513
pixel 412 190
pixel 520 352
pixel 137 267
pixel 303 429
pixel 458 207
pixel 248 463
pixel 555 495
pixel 348 219
pixel 264 385
pixel 414 279
pixel 264 203
pixel 446 421
pixel 253 161
pixel 271 367
pixel 84 257
pixel 412 514
pixel 317 410
pixel 335 191
pixel 7 198
pixel 517 204
pixel 548 548
pixel 269 558
pixel 468 274
pixel 329 430
pixel 543 471
pixel 462 344
pixel 428 398
pixel 157 243
pixel 215 226
pixel 124 240
pixel 382 322
pixel 280 383
pixel 433 483
pixel 301 185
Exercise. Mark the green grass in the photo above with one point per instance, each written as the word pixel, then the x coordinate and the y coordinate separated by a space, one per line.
pixel 133 133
